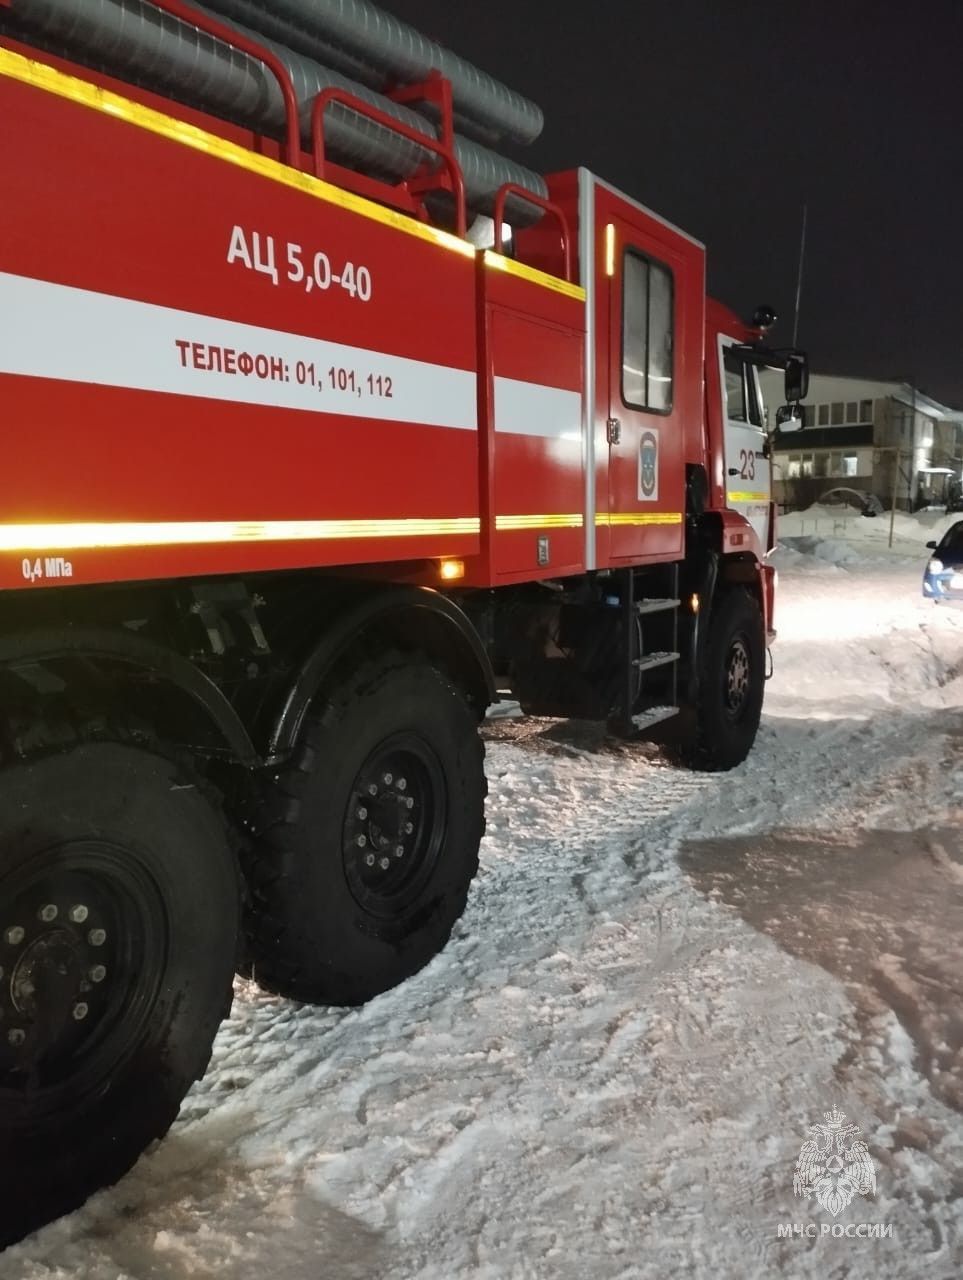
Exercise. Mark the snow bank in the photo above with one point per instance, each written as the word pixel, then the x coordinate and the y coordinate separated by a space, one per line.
pixel 842 536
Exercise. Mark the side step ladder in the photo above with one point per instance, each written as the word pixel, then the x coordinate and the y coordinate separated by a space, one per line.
pixel 644 717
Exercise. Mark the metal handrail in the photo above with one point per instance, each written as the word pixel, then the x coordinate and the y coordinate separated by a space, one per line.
pixel 547 206
pixel 226 34
pixel 440 149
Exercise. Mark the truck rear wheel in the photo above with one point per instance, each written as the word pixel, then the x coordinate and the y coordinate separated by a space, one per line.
pixel 369 838
pixel 119 909
pixel 731 686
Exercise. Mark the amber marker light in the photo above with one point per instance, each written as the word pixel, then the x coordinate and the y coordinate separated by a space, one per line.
pixel 610 249
pixel 452 570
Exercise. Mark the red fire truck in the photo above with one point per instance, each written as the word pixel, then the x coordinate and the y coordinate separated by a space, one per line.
pixel 308 462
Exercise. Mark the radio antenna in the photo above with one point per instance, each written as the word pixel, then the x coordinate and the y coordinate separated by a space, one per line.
pixel 802 254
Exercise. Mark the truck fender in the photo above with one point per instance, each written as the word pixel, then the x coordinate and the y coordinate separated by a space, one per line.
pixel 416 618
pixel 739 538
pixel 205 706
pixel 704 593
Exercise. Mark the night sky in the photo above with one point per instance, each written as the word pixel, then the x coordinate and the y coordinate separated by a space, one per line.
pixel 726 115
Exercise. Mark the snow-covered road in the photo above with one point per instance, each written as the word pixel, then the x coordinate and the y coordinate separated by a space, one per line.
pixel 661 981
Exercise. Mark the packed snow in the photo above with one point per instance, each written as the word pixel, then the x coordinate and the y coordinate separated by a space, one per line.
pixel 661 981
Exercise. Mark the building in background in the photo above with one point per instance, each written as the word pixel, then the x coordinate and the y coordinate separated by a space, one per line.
pixel 884 438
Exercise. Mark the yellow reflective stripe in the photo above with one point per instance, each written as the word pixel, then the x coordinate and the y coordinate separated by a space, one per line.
pixel 38 74
pixel 504 523
pixel 744 496
pixel 638 517
pixel 79 537
pixel 532 274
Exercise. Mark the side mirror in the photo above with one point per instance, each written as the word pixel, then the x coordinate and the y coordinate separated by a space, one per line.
pixel 797 377
pixel 791 414
pixel 931 545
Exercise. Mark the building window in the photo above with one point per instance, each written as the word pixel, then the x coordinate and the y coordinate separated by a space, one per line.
pixel 793 471
pixel 809 419
pixel 852 413
pixel 647 320
pixel 824 415
pixel 807 465
pixel 836 410
pixel 820 465
pixel 851 464
pixel 866 411
pixel 835 464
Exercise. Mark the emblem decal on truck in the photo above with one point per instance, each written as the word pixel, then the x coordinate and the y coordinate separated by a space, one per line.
pixel 649 467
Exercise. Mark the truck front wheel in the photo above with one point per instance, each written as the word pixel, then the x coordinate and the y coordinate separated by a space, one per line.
pixel 730 687
pixel 119 918
pixel 367 841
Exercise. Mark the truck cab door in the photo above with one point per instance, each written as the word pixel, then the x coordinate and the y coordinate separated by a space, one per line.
pixel 748 471
pixel 644 426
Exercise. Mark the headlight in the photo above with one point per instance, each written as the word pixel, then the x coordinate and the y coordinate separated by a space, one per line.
pixel 935 566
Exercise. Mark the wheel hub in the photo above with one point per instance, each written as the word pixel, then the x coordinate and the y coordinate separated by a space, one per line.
pixel 50 967
pixel 53 980
pixel 76 928
pixel 737 676
pixel 393 824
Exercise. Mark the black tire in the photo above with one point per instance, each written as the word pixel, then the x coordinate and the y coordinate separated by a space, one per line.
pixel 111 1002
pixel 337 914
pixel 731 686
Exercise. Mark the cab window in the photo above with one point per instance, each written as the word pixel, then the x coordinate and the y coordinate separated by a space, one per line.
pixel 648 307
pixel 742 398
